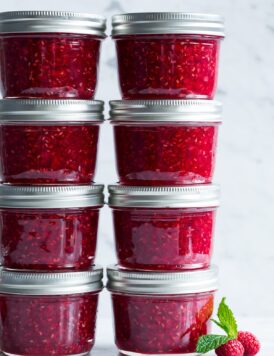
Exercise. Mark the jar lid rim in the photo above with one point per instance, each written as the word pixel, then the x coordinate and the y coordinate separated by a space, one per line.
pixel 50 283
pixel 50 110
pixel 51 196
pixel 168 23
pixel 53 22
pixel 166 110
pixel 144 282
pixel 189 196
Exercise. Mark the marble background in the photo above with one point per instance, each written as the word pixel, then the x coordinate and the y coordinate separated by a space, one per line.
pixel 244 248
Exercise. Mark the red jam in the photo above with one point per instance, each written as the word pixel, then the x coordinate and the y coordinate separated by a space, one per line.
pixel 165 154
pixel 48 325
pixel 164 239
pixel 174 66
pixel 166 324
pixel 48 239
pixel 49 154
pixel 53 65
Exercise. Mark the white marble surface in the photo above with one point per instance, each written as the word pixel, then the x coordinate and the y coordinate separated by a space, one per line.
pixel 244 247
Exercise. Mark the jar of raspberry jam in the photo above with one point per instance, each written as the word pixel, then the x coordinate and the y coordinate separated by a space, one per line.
pixel 165 142
pixel 161 312
pixel 164 228
pixel 48 313
pixel 168 55
pixel 51 54
pixel 49 228
pixel 55 139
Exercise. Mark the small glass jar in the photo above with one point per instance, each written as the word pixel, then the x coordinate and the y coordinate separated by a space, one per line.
pixel 49 314
pixel 165 142
pixel 169 55
pixel 49 54
pixel 161 313
pixel 56 141
pixel 164 228
pixel 49 228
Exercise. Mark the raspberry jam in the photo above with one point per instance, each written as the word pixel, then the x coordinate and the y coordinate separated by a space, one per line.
pixel 154 230
pixel 171 56
pixel 49 61
pixel 52 238
pixel 51 151
pixel 44 324
pixel 165 142
pixel 165 316
pixel 165 154
pixel 167 239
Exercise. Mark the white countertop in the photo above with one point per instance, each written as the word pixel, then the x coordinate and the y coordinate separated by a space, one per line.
pixel 262 327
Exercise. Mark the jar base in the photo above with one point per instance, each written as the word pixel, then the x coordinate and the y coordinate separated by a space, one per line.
pixel 9 354
pixel 164 269
pixel 129 353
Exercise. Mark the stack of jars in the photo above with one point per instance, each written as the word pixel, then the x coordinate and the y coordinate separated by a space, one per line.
pixel 49 206
pixel 164 206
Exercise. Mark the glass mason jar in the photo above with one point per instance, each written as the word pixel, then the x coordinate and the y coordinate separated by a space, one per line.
pixel 49 54
pixel 48 313
pixel 164 228
pixel 165 142
pixel 161 313
pixel 49 228
pixel 169 55
pixel 49 141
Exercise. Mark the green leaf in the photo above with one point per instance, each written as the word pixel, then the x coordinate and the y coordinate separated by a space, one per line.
pixel 227 320
pixel 217 323
pixel 220 325
pixel 207 343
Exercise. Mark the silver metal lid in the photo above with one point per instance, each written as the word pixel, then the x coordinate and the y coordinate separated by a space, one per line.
pixel 196 281
pixel 47 283
pixel 166 110
pixel 168 22
pixel 50 110
pixel 75 196
pixel 192 196
pixel 52 21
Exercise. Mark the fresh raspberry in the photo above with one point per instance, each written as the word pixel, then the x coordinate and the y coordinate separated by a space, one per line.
pixel 231 348
pixel 250 343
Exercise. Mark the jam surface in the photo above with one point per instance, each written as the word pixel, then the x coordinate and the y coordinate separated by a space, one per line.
pixel 48 239
pixel 165 154
pixel 49 65
pixel 168 66
pixel 50 154
pixel 48 325
pixel 164 239
pixel 161 324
